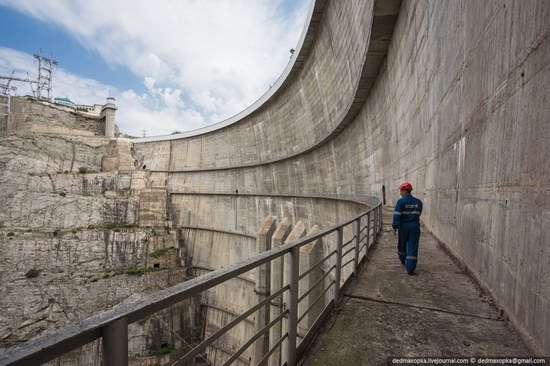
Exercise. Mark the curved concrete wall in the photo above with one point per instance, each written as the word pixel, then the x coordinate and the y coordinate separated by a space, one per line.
pixel 458 108
pixel 299 116
pixel 461 111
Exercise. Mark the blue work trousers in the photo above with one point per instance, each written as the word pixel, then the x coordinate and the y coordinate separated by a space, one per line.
pixel 407 245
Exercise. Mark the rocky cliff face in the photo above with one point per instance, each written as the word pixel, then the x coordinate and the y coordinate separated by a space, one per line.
pixel 4 110
pixel 31 115
pixel 81 230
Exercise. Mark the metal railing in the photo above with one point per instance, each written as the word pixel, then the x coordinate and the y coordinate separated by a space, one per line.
pixel 112 325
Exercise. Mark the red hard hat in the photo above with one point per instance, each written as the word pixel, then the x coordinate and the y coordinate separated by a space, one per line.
pixel 406 186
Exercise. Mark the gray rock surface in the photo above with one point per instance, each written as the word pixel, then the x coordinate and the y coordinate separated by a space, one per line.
pixel 73 241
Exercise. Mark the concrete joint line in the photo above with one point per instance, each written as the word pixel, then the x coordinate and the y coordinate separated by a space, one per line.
pixel 424 308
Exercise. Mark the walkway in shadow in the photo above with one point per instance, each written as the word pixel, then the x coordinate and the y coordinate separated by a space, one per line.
pixel 438 312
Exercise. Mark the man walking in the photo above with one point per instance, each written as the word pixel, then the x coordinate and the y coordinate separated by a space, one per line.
pixel 406 220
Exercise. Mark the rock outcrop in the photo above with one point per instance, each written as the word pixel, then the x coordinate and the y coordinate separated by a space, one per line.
pixel 81 231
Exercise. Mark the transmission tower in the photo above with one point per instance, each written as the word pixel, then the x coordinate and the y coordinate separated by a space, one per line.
pixel 5 87
pixel 44 82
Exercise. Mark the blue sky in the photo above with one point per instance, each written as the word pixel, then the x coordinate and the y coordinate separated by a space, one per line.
pixel 171 65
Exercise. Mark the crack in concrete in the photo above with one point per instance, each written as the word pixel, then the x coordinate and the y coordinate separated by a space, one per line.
pixel 422 307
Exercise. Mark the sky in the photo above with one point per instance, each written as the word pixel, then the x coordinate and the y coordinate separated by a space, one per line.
pixel 171 65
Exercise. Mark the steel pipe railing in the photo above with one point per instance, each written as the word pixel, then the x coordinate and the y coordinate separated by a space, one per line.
pixel 277 344
pixel 315 301
pixel 195 351
pixel 348 242
pixel 352 249
pixel 112 325
pixel 254 337
pixel 315 284
pixel 338 269
pixel 348 262
pixel 317 265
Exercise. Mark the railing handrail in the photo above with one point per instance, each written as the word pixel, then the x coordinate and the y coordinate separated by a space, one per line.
pixel 51 345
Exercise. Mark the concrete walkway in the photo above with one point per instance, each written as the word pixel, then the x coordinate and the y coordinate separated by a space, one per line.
pixel 438 312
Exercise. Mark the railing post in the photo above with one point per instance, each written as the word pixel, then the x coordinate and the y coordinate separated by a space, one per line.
pixel 380 216
pixel 277 268
pixel 375 225
pixel 357 243
pixel 115 343
pixel 339 235
pixel 293 277
pixel 262 275
pixel 368 233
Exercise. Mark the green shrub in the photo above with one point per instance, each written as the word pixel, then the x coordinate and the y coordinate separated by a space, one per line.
pixel 91 226
pixel 115 226
pixel 164 350
pixel 160 252
pixel 140 271
pixel 10 233
pixel 83 170
pixel 33 272
pixel 62 194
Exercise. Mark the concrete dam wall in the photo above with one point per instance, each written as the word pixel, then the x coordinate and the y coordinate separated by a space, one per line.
pixel 457 105
pixel 449 95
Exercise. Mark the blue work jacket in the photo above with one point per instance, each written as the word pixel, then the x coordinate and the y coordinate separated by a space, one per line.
pixel 407 210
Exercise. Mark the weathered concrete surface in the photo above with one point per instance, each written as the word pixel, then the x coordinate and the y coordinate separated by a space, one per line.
pixel 459 108
pixel 438 312
pixel 317 99
pixel 466 130
pixel 243 213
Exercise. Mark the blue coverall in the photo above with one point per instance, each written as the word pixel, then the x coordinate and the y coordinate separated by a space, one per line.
pixel 406 219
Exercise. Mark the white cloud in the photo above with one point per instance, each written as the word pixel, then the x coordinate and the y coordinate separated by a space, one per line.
pixel 160 112
pixel 205 59
pixel 88 91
